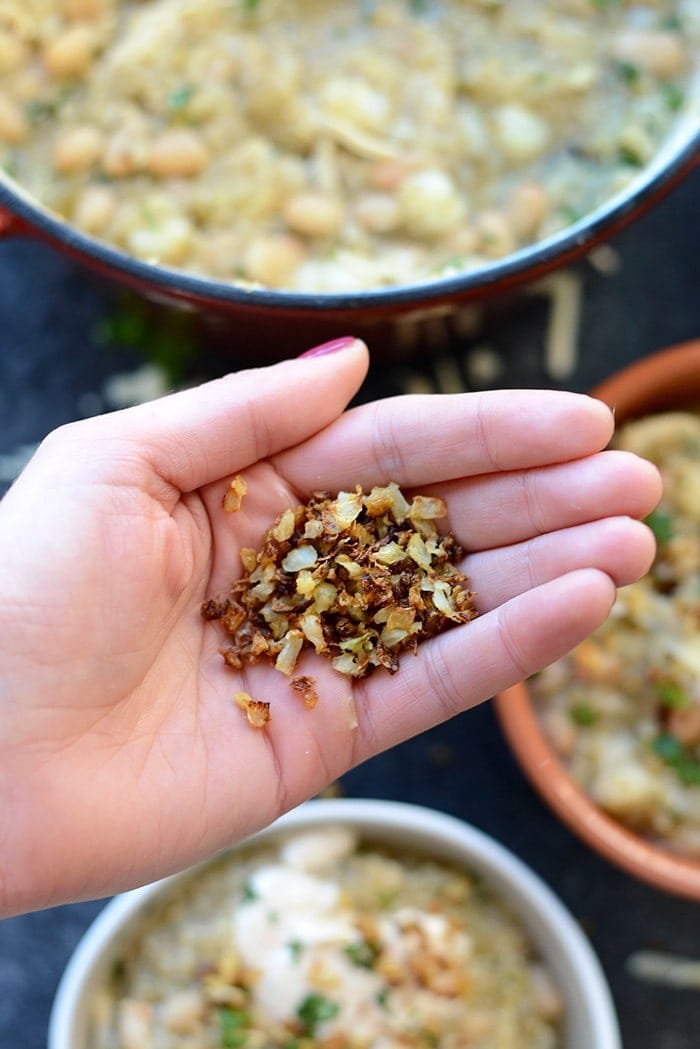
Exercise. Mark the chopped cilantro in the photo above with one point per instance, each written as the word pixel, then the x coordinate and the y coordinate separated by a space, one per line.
pixel 382 997
pixel 361 953
pixel 674 754
pixel 314 1010
pixel 628 72
pixel 661 524
pixel 249 892
pixel 671 695
pixel 251 5
pixel 667 747
pixel 181 97
pixel 583 715
pixel 571 215
pixel 673 96
pixel 232 1024
pixel 37 111
pixel 295 949
pixel 419 7
pixel 630 157
pixel 688 772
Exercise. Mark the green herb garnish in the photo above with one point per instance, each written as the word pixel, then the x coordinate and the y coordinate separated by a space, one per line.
pixel 362 954
pixel 249 892
pixel 314 1010
pixel 232 1027
pixel 180 97
pixel 571 215
pixel 628 72
pixel 382 998
pixel 673 753
pixel 631 157
pixel 661 524
pixel 673 96
pixel 583 715
pixel 37 111
pixel 667 747
pixel 672 695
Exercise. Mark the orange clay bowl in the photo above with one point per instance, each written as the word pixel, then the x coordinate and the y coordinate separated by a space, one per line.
pixel 665 380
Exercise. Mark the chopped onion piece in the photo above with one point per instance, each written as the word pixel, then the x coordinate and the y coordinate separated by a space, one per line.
pixel 287 658
pixel 300 557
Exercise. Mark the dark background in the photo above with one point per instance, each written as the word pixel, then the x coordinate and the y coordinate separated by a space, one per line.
pixel 71 346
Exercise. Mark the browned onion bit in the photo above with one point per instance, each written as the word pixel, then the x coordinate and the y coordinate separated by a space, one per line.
pixel 361 578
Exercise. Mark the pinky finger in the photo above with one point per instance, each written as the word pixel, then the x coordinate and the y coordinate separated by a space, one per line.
pixel 464 666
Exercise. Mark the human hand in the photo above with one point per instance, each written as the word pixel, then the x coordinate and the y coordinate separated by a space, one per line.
pixel 122 754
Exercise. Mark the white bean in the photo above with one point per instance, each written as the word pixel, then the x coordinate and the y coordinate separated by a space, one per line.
pixel 521 134
pixel 70 54
pixel 496 235
pixel 657 51
pixel 272 260
pixel 178 153
pixel 430 204
pixel 124 154
pixel 88 9
pixel 168 241
pixel 377 212
pixel 313 214
pixel 528 205
pixel 356 101
pixel 13 125
pixel 77 149
pixel 13 52
pixel 95 209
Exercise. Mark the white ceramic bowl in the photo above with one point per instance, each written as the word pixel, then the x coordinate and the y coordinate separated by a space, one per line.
pixel 590 1016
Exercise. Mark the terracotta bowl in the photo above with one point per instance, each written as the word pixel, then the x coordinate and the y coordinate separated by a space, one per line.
pixel 664 380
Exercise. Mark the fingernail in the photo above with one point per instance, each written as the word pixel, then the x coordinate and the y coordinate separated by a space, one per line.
pixel 329 347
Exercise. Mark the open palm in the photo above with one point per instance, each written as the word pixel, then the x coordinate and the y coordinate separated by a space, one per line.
pixel 122 754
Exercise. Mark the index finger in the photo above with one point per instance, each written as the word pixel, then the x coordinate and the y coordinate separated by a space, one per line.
pixel 427 438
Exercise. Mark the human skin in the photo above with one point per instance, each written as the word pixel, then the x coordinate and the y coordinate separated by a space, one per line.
pixel 123 756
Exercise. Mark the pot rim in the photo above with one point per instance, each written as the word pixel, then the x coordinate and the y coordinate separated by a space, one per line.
pixel 677 156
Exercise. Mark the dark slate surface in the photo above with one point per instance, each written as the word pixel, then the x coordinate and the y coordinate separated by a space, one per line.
pixel 64 336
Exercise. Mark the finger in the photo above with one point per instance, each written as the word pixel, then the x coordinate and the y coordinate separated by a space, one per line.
pixel 421 439
pixel 622 548
pixel 207 432
pixel 498 509
pixel 464 666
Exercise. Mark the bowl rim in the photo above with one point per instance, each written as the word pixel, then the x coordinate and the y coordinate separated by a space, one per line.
pixel 530 898
pixel 638 389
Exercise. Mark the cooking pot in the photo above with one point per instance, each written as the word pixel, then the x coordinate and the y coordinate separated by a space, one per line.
pixel 395 320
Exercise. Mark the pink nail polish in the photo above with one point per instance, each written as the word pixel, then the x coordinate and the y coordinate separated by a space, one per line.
pixel 329 347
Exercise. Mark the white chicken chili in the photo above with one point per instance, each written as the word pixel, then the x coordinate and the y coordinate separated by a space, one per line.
pixel 321 940
pixel 623 709
pixel 320 145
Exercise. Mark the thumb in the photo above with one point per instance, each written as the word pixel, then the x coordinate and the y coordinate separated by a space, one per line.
pixel 199 435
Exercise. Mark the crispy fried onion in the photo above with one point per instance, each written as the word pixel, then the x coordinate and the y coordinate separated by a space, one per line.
pixel 360 578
